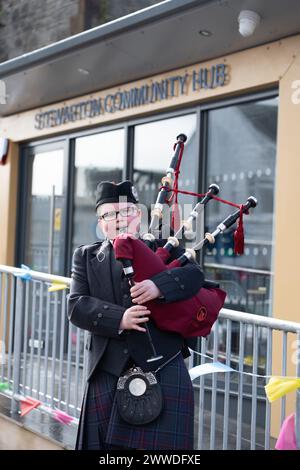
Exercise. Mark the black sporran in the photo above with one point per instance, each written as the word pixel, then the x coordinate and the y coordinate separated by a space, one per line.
pixel 139 397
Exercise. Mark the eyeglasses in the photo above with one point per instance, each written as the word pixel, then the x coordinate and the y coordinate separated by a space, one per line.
pixel 125 212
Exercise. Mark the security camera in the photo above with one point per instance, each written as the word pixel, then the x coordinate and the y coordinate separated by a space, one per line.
pixel 248 22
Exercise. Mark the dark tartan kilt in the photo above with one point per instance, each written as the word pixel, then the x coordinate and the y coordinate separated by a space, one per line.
pixel 101 427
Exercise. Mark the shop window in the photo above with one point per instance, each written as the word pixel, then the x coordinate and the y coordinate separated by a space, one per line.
pixel 98 157
pixel 45 210
pixel 153 149
pixel 241 158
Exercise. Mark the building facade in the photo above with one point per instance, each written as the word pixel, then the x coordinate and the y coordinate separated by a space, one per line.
pixel 240 111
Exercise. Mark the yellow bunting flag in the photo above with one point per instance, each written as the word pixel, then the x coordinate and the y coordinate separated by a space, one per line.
pixel 57 286
pixel 279 386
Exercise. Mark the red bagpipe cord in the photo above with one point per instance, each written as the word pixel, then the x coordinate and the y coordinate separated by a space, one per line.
pixel 239 232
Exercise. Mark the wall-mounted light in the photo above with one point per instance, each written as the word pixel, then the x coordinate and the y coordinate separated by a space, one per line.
pixel 248 22
pixel 83 71
pixel 3 150
pixel 205 33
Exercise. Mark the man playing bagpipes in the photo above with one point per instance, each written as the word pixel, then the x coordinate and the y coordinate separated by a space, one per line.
pixel 141 301
pixel 102 302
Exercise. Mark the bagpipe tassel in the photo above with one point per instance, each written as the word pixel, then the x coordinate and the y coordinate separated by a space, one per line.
pixel 239 235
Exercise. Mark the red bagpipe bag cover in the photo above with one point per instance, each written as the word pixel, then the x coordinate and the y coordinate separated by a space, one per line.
pixel 191 317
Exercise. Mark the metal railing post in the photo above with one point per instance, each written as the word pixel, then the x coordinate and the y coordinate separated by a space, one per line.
pixel 17 342
pixel 297 413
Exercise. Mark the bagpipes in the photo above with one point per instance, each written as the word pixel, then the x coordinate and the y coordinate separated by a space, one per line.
pixel 194 316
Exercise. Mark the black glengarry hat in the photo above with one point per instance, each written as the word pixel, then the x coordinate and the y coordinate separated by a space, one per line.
pixel 108 191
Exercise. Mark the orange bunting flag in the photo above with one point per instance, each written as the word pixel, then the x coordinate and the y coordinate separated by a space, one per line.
pixel 27 404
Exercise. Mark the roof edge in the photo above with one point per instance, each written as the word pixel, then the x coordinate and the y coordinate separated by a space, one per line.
pixel 108 30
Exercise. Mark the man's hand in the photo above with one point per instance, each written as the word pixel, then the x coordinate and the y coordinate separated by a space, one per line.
pixel 144 291
pixel 133 316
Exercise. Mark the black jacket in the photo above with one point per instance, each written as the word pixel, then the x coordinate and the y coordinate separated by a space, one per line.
pixel 99 296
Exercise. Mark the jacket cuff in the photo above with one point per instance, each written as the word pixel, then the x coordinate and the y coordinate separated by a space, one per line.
pixel 107 322
pixel 167 281
pixel 104 318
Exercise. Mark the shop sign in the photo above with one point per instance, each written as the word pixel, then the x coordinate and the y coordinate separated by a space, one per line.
pixel 194 82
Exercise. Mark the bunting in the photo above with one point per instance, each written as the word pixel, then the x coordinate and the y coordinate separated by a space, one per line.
pixel 55 286
pixel 27 404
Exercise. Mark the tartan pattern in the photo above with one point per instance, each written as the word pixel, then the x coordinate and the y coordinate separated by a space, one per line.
pixel 104 429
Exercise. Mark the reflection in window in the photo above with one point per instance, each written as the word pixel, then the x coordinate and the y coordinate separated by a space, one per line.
pixel 45 173
pixel 98 157
pixel 241 159
pixel 153 149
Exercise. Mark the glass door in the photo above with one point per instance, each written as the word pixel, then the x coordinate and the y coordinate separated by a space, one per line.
pixel 98 157
pixel 241 158
pixel 45 208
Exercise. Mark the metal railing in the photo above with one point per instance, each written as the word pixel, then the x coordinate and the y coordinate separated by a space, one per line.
pixel 242 392
pixel 44 357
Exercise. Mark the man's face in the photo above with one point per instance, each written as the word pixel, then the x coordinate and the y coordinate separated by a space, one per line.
pixel 118 217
